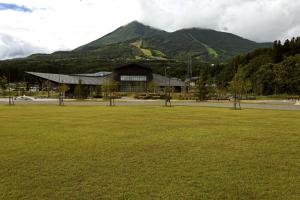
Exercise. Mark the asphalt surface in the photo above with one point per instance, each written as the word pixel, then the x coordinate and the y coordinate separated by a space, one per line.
pixel 271 104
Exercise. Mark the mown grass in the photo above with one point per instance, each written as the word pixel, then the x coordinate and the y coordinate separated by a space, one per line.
pixel 50 152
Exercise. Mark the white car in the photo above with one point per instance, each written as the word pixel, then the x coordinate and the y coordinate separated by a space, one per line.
pixel 24 98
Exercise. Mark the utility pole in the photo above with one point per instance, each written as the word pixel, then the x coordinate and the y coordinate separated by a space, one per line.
pixel 60 94
pixel 167 93
pixel 189 73
pixel 235 93
pixel 10 98
pixel 191 66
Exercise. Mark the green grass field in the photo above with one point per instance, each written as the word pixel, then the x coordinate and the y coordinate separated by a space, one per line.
pixel 89 152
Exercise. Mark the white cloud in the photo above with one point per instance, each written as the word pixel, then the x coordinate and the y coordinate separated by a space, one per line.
pixel 259 20
pixel 67 24
pixel 13 47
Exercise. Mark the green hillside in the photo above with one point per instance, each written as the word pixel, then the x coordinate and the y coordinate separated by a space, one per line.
pixel 131 31
pixel 202 44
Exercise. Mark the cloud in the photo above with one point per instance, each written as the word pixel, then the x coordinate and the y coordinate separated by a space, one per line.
pixel 13 47
pixel 259 20
pixel 10 6
pixel 67 24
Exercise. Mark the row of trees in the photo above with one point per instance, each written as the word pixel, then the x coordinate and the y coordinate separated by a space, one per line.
pixel 270 71
pixel 238 87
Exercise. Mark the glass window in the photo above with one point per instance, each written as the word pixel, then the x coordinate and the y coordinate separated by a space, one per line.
pixel 133 78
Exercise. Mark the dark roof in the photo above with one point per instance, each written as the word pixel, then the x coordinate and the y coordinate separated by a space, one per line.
pixel 70 79
pixel 99 80
pixel 164 81
pixel 195 78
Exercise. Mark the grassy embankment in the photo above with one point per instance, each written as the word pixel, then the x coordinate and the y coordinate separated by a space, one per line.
pixel 50 152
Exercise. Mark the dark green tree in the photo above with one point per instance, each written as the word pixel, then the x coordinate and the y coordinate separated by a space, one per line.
pixel 109 88
pixel 78 91
pixel 3 83
pixel 201 90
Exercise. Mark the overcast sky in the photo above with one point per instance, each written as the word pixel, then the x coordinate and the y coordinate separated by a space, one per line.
pixel 44 26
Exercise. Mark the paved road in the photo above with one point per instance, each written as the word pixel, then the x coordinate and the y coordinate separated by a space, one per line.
pixel 273 105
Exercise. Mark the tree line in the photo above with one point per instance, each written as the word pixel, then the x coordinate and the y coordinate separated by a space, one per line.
pixel 266 71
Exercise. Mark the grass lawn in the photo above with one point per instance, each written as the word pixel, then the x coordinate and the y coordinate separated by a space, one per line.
pixel 89 152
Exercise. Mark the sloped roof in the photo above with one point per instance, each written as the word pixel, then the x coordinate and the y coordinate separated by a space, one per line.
pixel 99 80
pixel 164 81
pixel 71 79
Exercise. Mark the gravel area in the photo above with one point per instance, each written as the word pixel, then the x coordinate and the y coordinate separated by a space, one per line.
pixel 267 104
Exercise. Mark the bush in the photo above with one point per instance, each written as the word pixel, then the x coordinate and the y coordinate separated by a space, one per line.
pixel 148 96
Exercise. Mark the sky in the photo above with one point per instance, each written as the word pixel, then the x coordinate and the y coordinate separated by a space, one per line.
pixel 45 26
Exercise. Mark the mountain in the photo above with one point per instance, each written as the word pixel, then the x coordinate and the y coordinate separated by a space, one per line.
pixel 131 31
pixel 136 42
pixel 139 41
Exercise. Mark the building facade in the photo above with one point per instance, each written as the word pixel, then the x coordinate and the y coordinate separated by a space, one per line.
pixel 133 78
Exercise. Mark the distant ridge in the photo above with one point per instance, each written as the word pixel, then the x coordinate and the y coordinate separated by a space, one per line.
pixel 125 33
pixel 138 41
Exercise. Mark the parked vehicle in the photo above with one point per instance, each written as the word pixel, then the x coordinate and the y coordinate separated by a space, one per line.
pixel 24 98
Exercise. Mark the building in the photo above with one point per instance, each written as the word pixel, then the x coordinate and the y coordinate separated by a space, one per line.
pixel 130 78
